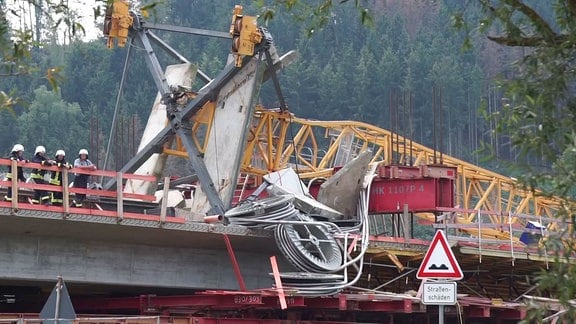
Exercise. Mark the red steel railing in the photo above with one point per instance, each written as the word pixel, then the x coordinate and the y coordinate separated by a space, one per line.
pixel 19 190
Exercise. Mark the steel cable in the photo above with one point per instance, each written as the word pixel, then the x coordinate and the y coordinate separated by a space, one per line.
pixel 311 246
pixel 328 288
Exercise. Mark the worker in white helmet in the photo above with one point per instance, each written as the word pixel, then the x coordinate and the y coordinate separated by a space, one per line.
pixel 17 154
pixel 56 176
pixel 81 179
pixel 37 175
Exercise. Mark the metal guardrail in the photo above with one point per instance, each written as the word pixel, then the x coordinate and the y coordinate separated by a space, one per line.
pixel 20 189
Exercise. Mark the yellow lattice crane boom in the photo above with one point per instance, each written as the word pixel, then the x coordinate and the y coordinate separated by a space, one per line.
pixel 278 139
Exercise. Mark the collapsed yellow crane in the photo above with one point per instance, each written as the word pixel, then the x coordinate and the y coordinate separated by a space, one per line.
pixel 278 139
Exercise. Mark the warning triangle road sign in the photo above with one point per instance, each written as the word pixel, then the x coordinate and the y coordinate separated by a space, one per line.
pixel 439 261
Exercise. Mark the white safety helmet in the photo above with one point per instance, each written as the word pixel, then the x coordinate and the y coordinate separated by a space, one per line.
pixel 18 148
pixel 60 152
pixel 83 151
pixel 40 149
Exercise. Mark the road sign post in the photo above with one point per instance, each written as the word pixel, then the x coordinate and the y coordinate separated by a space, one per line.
pixel 439 264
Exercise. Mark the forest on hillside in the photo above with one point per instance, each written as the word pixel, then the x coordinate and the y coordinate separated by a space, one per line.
pixel 410 62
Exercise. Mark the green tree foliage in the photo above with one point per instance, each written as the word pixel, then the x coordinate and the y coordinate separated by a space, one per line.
pixel 9 131
pixel 347 70
pixel 27 25
pixel 390 59
pixel 100 65
pixel 538 114
pixel 53 123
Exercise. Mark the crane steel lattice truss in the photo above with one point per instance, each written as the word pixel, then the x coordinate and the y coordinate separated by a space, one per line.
pixel 278 139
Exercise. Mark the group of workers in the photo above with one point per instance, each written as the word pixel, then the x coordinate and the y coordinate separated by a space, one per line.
pixel 37 175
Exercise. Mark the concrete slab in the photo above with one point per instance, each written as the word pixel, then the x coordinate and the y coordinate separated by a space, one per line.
pixel 35 249
pixel 341 191
pixel 227 138
pixel 176 75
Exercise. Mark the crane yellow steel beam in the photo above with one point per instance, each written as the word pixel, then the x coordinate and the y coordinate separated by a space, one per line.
pixel 278 140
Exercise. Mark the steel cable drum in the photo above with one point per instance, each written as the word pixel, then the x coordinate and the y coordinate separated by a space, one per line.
pixel 270 208
pixel 309 247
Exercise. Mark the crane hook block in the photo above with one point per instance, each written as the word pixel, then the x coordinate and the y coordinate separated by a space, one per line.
pixel 245 34
pixel 117 23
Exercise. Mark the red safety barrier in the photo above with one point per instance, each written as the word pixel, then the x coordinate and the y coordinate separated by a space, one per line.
pixel 26 188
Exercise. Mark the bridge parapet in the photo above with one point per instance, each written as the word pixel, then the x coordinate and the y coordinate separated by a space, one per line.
pixel 22 192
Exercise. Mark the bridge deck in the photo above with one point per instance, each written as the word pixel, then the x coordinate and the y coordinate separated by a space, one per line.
pixel 118 251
